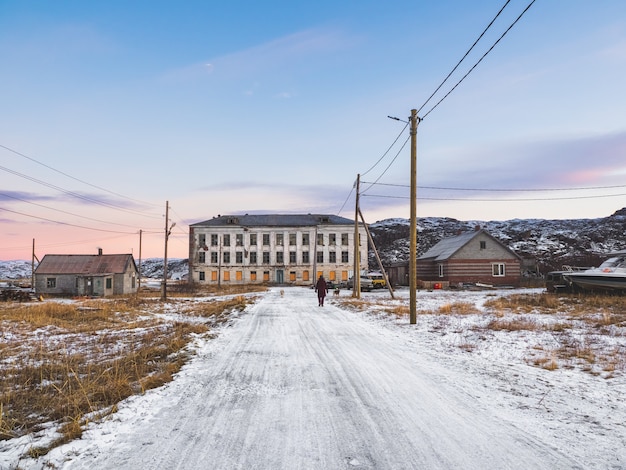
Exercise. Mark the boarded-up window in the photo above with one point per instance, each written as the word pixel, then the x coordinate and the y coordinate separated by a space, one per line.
pixel 214 275
pixel 266 276
pixel 332 275
pixel 227 275
pixel 253 275
pixel 238 275
pixel 305 275
pixel 292 276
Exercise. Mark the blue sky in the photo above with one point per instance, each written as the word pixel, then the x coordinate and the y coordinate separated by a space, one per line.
pixel 110 109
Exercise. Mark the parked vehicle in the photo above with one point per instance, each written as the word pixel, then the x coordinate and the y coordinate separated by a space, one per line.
pixel 366 283
pixel 378 280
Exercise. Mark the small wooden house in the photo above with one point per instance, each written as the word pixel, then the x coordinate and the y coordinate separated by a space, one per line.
pixel 472 257
pixel 99 275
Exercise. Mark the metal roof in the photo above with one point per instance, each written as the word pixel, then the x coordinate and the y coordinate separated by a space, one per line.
pixel 448 246
pixel 84 264
pixel 274 220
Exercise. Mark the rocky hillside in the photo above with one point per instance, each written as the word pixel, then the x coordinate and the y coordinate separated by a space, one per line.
pixel 546 244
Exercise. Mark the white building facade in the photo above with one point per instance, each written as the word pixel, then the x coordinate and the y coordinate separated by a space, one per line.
pixel 274 249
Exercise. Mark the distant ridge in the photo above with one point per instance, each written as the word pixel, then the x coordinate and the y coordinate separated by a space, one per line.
pixel 546 244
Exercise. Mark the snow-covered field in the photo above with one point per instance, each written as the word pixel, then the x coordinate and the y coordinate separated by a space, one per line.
pixel 288 384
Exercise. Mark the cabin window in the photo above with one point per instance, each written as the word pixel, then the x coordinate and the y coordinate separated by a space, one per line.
pixel 109 283
pixel 51 282
pixel 483 245
pixel 497 269
pixel 441 270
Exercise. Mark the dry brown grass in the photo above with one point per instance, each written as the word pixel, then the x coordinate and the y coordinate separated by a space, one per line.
pixel 63 362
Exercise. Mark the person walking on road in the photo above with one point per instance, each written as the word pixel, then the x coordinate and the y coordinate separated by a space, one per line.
pixel 322 289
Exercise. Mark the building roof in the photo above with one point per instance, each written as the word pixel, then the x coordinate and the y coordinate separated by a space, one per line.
pixel 274 220
pixel 85 264
pixel 447 247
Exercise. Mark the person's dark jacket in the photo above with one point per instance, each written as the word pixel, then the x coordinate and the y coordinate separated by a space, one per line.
pixel 321 287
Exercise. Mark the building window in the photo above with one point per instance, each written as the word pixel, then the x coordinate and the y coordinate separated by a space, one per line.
pixel 344 239
pixel 292 239
pixel 109 283
pixel 320 256
pixel 320 239
pixel 344 257
pixel 497 269
pixel 280 258
pixel 483 245
pixel 214 257
pixel 239 239
pixel 253 275
pixel 292 276
pixel 253 239
pixel 266 257
pixel 280 239
pixel 440 270
pixel 332 257
pixel 239 275
pixel 266 276
pixel 201 276
pixel 292 257
pixel 214 239
pixel 305 275
pixel 214 275
pixel 332 239
pixel 305 257
pixel 226 258
pixel 201 239
pixel 226 240
pixel 227 275
pixel 266 239
pixel 202 257
pixel 239 257
pixel 305 239
pixel 51 282
pixel 253 257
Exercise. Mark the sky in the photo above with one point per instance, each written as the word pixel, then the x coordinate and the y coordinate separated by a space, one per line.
pixel 112 111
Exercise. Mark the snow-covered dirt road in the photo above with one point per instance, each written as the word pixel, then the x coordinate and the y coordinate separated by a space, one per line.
pixel 291 385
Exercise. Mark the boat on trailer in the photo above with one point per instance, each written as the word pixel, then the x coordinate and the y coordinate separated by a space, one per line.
pixel 609 276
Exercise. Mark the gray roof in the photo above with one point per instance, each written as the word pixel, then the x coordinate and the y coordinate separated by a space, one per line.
pixel 85 264
pixel 274 220
pixel 447 247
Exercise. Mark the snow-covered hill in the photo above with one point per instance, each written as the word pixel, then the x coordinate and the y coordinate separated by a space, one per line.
pixel 547 244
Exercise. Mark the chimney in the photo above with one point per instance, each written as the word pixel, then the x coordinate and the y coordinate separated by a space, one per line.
pixel 476 228
pixel 99 251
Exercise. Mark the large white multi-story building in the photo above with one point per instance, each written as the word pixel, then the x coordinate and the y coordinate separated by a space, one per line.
pixel 281 249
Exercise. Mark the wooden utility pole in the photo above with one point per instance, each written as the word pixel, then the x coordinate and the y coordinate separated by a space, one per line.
pixel 139 283
pixel 168 230
pixel 380 263
pixel 413 222
pixel 356 277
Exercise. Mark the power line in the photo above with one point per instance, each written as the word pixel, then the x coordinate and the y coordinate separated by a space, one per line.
pixel 463 58
pixel 387 151
pixel 71 193
pixel 501 189
pixel 479 60
pixel 496 200
pixel 74 178
pixel 63 212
